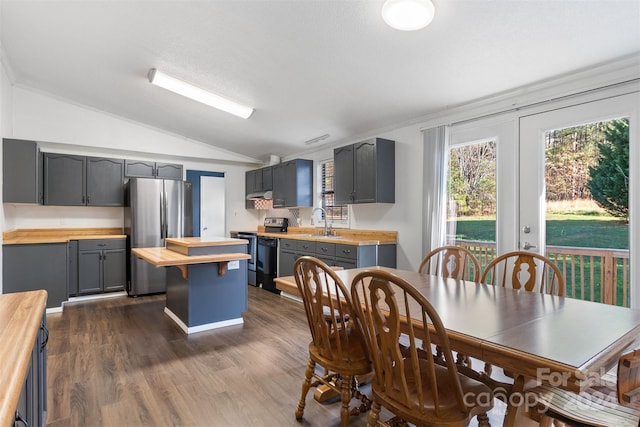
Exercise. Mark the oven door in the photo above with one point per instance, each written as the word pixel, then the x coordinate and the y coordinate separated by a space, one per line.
pixel 252 249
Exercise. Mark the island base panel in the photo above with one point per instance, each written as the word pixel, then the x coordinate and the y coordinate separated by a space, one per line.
pixel 206 297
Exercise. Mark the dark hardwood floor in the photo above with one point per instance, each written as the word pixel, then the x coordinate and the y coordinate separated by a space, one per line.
pixel 122 362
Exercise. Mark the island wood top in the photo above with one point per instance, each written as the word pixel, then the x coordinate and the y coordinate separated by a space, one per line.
pixel 163 257
pixel 195 242
pixel 20 317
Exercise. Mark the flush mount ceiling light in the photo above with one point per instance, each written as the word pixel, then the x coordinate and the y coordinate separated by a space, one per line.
pixel 408 15
pixel 185 89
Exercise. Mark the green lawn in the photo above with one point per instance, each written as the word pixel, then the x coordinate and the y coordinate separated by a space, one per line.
pixel 585 231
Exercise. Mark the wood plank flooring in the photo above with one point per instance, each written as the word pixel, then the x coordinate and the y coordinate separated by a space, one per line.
pixel 122 362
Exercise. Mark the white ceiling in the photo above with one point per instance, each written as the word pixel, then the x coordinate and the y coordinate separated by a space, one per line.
pixel 309 67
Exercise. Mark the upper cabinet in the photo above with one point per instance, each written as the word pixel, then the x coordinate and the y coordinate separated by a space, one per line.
pixel 293 184
pixel 83 181
pixel 21 171
pixel 145 169
pixel 364 172
pixel 258 181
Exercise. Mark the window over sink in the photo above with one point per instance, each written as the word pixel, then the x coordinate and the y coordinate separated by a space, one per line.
pixel 337 215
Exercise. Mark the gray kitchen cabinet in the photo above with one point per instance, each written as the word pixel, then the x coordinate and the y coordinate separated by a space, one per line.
pixel 293 184
pixel 21 172
pixel 32 404
pixel 36 266
pixel 64 179
pixel 258 181
pixel 147 169
pixel 334 254
pixel 105 182
pixel 71 180
pixel 72 258
pixel 364 172
pixel 101 265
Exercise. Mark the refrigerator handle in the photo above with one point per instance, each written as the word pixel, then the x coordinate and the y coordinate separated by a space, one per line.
pixel 162 217
pixel 166 216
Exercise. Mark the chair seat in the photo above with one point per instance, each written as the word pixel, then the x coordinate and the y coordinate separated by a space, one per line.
pixel 591 407
pixel 354 361
pixel 479 400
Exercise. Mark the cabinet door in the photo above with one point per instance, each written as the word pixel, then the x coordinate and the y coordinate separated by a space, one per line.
pixel 105 182
pixel 345 263
pixel 279 185
pixel 287 259
pixel 267 178
pixel 22 172
pixel 89 272
pixel 139 169
pixel 365 171
pixel 168 171
pixel 64 179
pixel 290 184
pixel 114 270
pixel 36 266
pixel 343 174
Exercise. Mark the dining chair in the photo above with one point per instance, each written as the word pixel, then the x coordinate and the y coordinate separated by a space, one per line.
pixel 525 270
pixel 337 343
pixel 407 380
pixel 615 403
pixel 454 262
pixel 451 261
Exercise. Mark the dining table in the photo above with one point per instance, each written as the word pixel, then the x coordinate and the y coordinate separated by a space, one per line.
pixel 537 338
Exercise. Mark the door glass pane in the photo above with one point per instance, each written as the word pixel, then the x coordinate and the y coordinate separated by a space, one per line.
pixel 471 204
pixel 587 209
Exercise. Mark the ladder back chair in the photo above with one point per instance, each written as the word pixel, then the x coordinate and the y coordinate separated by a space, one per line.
pixel 451 261
pixel 525 270
pixel 616 403
pixel 337 343
pixel 408 381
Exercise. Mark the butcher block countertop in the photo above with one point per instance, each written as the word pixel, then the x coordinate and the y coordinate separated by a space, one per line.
pixel 20 317
pixel 163 257
pixel 59 235
pixel 197 242
pixel 343 236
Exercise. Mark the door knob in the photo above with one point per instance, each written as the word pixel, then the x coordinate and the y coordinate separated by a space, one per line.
pixel 526 246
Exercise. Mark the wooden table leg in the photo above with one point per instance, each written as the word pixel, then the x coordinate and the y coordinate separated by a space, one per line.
pixel 517 410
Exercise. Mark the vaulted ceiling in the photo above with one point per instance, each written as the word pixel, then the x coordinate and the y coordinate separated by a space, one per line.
pixel 308 67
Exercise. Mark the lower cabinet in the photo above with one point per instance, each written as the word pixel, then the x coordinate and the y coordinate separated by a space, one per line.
pixel 32 405
pixel 36 266
pixel 101 266
pixel 334 254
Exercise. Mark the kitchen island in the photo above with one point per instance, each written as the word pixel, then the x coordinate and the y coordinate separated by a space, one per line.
pixel 206 280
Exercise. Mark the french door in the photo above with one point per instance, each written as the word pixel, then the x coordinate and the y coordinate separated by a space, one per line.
pixel 535 145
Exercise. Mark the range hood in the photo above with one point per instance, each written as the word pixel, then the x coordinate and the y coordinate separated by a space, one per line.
pixel 260 195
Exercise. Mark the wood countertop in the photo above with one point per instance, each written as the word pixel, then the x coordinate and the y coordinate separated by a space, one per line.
pixel 59 235
pixel 196 242
pixel 163 257
pixel 20 317
pixel 343 237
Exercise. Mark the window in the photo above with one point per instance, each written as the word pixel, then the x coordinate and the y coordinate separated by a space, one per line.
pixel 339 213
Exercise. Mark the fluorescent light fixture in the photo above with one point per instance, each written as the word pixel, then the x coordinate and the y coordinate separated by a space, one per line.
pixel 408 15
pixel 185 89
pixel 318 139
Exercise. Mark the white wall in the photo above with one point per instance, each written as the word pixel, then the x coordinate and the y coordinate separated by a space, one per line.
pixel 403 216
pixel 60 126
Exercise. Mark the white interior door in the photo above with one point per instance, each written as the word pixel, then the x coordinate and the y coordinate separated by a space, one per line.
pixel 212 207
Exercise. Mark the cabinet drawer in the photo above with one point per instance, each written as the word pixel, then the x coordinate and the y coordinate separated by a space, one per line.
pixel 325 249
pixel 306 246
pixel 99 244
pixel 346 251
pixel 288 244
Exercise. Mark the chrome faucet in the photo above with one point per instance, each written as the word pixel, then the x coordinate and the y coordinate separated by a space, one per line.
pixel 324 212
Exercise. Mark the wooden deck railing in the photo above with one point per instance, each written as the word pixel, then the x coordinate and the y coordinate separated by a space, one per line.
pixel 592 274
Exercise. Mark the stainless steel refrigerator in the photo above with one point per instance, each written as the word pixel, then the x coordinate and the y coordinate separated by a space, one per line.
pixel 156 209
